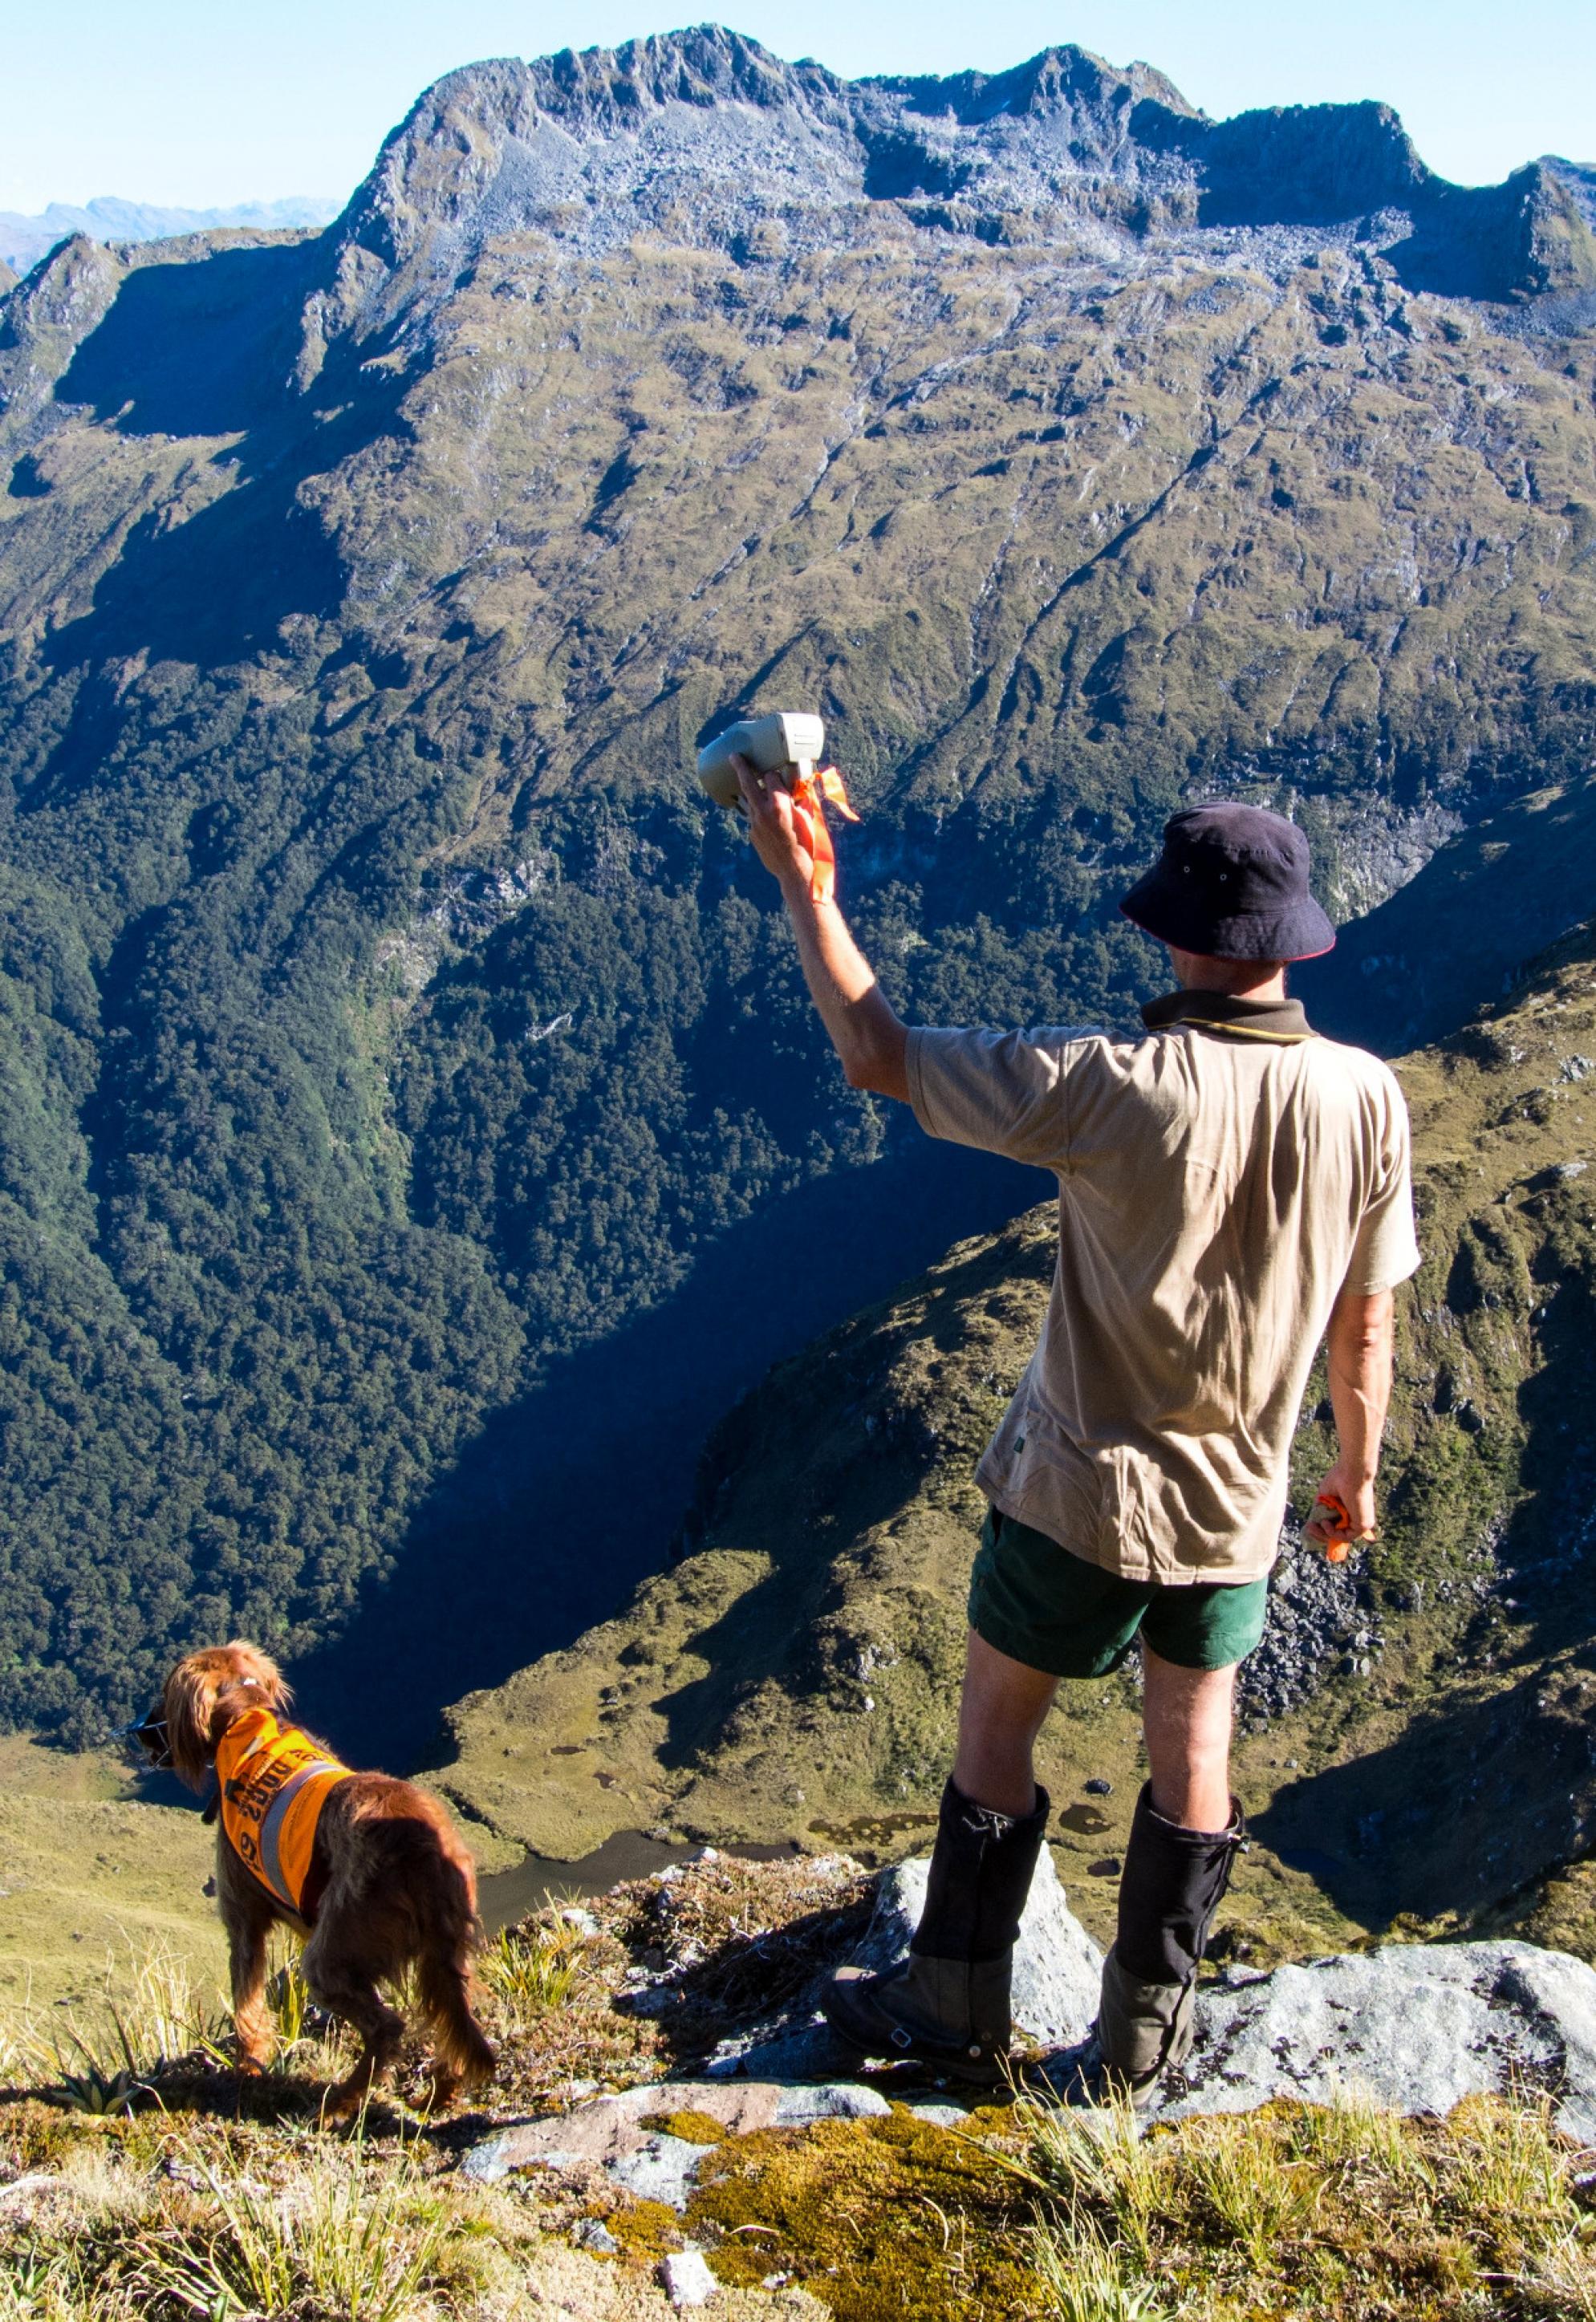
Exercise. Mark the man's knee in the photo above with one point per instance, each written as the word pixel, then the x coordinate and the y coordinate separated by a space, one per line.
pixel 1187 1720
pixel 1001 1712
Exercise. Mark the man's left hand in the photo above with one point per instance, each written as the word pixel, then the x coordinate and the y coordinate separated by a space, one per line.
pixel 1355 1494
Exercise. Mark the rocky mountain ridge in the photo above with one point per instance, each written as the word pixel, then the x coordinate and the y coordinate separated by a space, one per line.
pixel 706 136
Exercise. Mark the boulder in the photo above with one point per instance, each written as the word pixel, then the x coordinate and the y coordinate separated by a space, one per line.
pixel 1057 1967
pixel 1416 2026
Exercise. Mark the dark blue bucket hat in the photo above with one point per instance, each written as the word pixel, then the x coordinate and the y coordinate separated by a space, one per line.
pixel 1231 884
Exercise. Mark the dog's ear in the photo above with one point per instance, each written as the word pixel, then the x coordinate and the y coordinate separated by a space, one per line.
pixel 249 1661
pixel 189 1705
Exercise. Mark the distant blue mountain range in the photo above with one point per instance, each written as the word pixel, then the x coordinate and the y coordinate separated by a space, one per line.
pixel 23 241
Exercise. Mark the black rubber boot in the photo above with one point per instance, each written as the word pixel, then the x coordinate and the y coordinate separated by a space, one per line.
pixel 947 2005
pixel 1173 1883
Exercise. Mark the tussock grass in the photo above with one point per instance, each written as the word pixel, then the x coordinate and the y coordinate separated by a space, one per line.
pixel 1342 2210
pixel 1101 2157
pixel 101 2055
pixel 351 2241
pixel 1256 2195
pixel 530 1969
pixel 1083 2277
pixel 251 2225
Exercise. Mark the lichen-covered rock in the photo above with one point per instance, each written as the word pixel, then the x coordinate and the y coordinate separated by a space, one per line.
pixel 651 2139
pixel 1419 2027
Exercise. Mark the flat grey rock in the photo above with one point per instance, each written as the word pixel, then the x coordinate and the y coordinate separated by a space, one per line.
pixel 661 2168
pixel 837 2100
pixel 687 2278
pixel 1418 2027
pixel 652 2163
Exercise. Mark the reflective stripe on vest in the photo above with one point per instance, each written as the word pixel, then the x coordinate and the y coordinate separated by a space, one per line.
pixel 274 1782
pixel 270 1868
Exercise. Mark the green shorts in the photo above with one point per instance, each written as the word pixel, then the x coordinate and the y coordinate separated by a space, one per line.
pixel 1034 1601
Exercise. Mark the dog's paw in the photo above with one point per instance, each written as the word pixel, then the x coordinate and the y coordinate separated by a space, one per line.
pixel 437 2089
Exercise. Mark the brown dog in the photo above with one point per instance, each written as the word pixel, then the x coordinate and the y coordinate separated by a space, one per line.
pixel 367 1869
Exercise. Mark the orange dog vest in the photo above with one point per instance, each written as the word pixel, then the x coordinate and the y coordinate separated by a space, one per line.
pixel 274 1783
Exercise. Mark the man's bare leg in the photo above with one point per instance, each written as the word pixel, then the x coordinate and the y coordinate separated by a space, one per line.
pixel 949 2004
pixel 1186 1716
pixel 1183 1838
pixel 1001 1712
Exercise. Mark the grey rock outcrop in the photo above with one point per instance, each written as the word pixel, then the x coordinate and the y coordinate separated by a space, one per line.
pixel 1057 1967
pixel 706 137
pixel 1413 2028
pixel 1417 2028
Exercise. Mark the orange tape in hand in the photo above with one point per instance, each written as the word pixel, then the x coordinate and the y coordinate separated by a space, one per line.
pixel 810 816
pixel 1340 1517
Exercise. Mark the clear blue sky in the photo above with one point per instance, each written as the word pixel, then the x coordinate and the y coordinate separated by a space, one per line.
pixel 205 102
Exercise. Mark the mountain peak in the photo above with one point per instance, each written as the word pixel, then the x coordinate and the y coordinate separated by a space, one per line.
pixel 611 89
pixel 706 139
pixel 1057 80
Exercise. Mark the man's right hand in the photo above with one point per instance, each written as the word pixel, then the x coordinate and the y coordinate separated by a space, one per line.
pixel 772 825
pixel 863 1025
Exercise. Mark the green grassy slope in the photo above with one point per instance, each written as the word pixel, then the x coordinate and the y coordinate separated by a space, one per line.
pixel 794 1675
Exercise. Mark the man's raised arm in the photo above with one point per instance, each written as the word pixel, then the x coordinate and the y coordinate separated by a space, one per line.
pixel 864 1027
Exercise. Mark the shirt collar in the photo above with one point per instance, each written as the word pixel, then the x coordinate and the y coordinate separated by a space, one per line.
pixel 1230 1016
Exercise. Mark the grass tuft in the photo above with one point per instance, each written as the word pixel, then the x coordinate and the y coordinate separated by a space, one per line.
pixel 102 2057
pixel 346 2242
pixel 1257 2195
pixel 532 1969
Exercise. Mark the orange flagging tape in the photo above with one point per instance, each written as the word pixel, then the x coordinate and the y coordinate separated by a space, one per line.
pixel 1340 1520
pixel 809 815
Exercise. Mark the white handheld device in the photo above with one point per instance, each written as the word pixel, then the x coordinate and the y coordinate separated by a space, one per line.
pixel 788 742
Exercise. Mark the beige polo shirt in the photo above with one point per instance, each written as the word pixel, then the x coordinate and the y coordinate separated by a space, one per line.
pixel 1219 1181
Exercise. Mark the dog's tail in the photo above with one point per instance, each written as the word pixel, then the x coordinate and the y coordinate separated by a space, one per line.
pixel 450 1933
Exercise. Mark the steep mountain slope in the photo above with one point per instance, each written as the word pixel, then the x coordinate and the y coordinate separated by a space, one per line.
pixel 1416 1732
pixel 408 1099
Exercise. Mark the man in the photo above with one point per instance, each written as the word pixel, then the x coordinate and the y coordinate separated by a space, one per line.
pixel 1233 1190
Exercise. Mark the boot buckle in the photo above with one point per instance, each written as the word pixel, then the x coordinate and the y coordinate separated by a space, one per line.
pixel 901 2036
